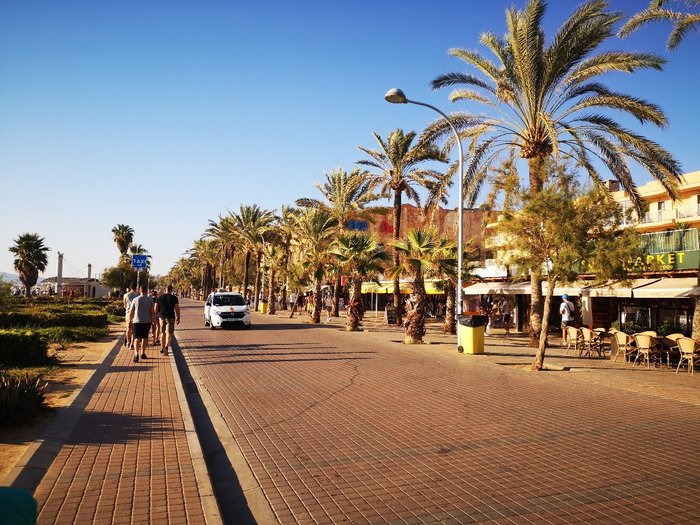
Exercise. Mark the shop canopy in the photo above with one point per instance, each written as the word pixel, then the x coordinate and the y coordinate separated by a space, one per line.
pixel 617 289
pixel 387 287
pixel 669 288
pixel 505 288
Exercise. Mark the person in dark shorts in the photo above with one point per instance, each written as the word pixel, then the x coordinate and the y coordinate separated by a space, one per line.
pixel 141 314
pixel 168 310
pixel 155 328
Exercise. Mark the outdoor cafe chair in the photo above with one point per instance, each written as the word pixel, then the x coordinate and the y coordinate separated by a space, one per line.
pixel 648 332
pixel 647 348
pixel 690 352
pixel 591 342
pixel 624 345
pixel 573 339
pixel 670 343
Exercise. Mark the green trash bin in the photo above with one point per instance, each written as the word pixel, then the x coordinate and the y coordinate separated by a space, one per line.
pixel 471 333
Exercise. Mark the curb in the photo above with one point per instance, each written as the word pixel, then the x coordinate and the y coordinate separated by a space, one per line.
pixel 210 506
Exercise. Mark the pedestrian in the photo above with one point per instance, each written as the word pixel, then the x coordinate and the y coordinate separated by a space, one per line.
pixel 141 314
pixel 328 304
pixel 129 296
pixel 155 328
pixel 292 300
pixel 506 310
pixel 168 310
pixel 566 309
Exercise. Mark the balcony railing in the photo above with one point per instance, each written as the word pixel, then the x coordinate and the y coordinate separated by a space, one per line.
pixel 671 241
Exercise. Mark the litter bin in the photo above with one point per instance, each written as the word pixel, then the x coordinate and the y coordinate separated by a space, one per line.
pixel 262 307
pixel 471 333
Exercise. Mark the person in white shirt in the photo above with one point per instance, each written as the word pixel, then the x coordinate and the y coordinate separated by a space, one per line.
pixel 566 309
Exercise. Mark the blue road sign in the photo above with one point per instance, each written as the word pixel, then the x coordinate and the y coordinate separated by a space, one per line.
pixel 139 262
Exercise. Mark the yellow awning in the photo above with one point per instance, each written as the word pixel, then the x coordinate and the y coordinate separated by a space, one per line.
pixel 387 287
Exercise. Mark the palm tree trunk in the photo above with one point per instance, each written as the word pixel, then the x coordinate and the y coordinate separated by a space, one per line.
pixel 355 307
pixel 256 289
pixel 450 325
pixel 538 363
pixel 336 297
pixel 246 274
pixel 537 176
pixel 316 317
pixel 271 301
pixel 415 316
pixel 397 257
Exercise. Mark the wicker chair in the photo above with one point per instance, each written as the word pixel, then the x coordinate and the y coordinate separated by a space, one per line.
pixel 573 339
pixel 647 348
pixel 690 352
pixel 623 342
pixel 591 342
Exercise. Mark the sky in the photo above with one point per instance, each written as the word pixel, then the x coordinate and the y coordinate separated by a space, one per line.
pixel 164 115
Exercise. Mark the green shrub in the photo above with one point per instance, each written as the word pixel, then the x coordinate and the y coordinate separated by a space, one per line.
pixel 71 334
pixel 23 348
pixel 42 318
pixel 21 398
pixel 115 309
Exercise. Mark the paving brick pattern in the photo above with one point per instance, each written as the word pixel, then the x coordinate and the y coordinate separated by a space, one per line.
pixel 127 460
pixel 358 428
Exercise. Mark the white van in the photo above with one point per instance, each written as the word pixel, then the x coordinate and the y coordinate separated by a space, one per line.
pixel 228 308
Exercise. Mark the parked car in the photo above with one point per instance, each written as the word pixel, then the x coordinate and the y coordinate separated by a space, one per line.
pixel 226 308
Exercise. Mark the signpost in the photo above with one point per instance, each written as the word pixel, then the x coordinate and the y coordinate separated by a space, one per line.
pixel 138 263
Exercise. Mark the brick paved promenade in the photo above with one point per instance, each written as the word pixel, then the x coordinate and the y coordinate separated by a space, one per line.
pixel 358 428
pixel 126 459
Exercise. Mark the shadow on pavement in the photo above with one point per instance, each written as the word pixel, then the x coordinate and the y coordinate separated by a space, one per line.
pixel 292 360
pixel 227 488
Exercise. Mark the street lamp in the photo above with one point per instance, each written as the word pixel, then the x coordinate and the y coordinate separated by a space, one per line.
pixel 396 96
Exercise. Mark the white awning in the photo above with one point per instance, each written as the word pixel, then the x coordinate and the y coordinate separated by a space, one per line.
pixel 668 288
pixel 486 288
pixel 518 288
pixel 615 289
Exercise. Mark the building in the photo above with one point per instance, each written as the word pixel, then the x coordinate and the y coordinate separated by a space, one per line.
pixel 74 287
pixel 662 293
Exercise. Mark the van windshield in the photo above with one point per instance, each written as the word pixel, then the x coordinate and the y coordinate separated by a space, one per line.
pixel 228 300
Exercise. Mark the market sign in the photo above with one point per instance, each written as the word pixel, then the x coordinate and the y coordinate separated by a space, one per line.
pixel 657 262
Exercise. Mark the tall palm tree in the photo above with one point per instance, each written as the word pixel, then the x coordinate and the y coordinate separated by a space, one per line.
pixel 284 230
pixel 362 257
pixel 544 101
pixel 252 222
pixel 225 235
pixel 424 254
pixel 398 163
pixel 205 253
pixel 123 237
pixel 30 259
pixel 346 196
pixel 656 12
pixel 316 229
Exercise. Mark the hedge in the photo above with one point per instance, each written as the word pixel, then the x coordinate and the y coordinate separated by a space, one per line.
pixel 22 348
pixel 44 319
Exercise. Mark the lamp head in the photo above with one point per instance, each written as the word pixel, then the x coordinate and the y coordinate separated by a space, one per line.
pixel 395 96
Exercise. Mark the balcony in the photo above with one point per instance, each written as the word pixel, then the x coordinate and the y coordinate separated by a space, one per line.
pixel 671 241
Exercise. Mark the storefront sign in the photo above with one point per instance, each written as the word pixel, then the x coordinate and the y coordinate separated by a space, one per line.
pixel 668 261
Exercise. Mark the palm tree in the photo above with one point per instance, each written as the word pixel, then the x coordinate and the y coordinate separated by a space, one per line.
pixel 285 229
pixel 251 223
pixel 225 235
pixel 346 196
pixel 205 253
pixel 30 259
pixel 682 22
pixel 362 257
pixel 398 163
pixel 545 103
pixel 315 231
pixel 123 237
pixel 424 254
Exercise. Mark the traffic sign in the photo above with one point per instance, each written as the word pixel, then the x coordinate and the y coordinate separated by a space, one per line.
pixel 139 262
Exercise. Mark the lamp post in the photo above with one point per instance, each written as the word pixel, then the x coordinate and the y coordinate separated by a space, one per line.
pixel 396 96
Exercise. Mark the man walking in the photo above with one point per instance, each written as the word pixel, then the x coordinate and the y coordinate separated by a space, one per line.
pixel 127 299
pixel 168 310
pixel 566 309
pixel 141 314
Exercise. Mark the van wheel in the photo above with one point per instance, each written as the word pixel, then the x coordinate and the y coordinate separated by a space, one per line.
pixel 211 326
pixel 206 323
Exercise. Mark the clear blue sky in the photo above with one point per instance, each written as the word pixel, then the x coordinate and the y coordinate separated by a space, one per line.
pixel 162 115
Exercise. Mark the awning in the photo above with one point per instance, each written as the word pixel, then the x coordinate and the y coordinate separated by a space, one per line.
pixel 485 288
pixel 668 288
pixel 616 289
pixel 387 287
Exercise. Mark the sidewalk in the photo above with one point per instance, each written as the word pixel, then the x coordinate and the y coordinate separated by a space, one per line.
pixel 123 452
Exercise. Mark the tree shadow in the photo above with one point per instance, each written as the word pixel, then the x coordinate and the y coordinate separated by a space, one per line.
pixel 114 428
